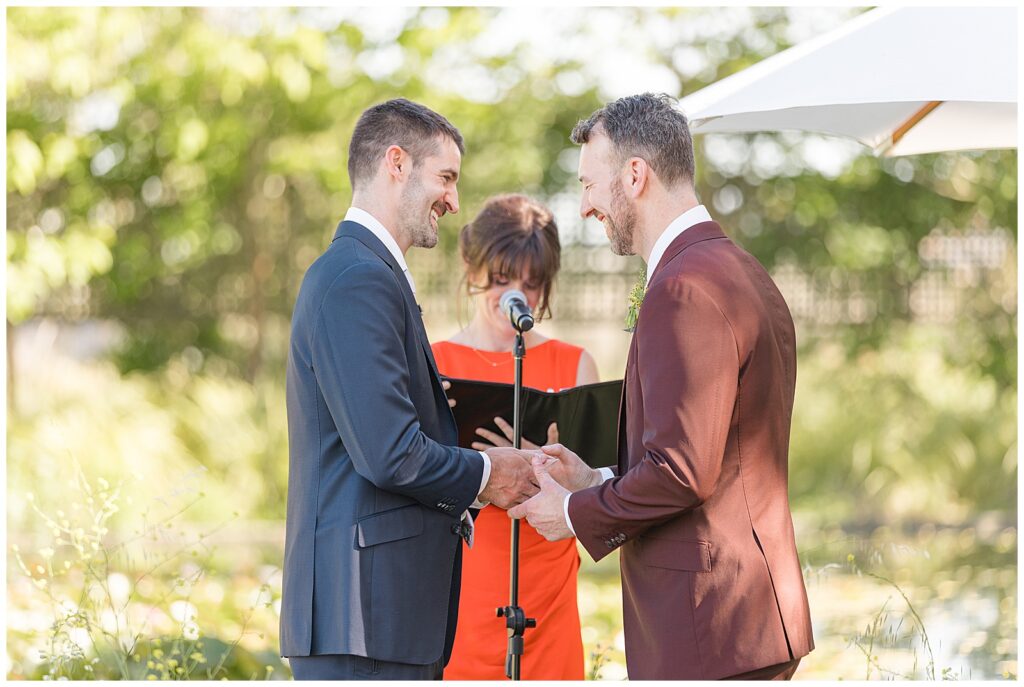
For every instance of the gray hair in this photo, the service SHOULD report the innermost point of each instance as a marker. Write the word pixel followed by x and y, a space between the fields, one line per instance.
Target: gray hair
pixel 648 126
pixel 412 127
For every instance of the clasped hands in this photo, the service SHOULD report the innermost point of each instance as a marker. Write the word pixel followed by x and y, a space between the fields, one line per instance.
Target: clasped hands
pixel 533 484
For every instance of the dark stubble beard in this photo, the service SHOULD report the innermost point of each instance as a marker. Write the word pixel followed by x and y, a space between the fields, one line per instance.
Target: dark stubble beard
pixel 623 225
pixel 414 224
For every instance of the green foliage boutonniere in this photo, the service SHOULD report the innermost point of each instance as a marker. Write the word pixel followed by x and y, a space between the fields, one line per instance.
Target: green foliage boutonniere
pixel 636 299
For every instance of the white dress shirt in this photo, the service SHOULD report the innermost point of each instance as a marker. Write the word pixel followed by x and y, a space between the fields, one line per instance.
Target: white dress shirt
pixel 693 216
pixel 364 218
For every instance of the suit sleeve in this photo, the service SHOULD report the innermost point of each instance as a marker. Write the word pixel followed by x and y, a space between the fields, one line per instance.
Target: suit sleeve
pixel 689 370
pixel 360 363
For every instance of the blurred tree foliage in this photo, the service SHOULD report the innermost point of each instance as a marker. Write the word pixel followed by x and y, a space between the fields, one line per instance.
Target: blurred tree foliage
pixel 174 170
pixel 177 169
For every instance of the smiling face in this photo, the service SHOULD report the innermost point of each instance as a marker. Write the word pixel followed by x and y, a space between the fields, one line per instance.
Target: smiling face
pixel 487 298
pixel 604 196
pixel 430 193
pixel 512 243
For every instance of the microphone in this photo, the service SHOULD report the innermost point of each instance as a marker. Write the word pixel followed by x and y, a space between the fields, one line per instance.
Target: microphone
pixel 513 304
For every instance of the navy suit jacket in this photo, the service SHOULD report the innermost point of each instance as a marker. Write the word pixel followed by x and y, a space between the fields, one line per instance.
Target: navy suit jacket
pixel 376 486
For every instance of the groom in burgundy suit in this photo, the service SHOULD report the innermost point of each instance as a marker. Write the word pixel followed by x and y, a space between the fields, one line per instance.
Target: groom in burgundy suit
pixel 698 506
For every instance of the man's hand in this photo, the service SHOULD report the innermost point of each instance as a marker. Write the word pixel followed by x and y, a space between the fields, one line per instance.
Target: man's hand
pixel 568 469
pixel 545 511
pixel 512 480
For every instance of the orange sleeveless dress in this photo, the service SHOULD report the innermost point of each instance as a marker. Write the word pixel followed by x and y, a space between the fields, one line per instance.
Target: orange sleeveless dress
pixel 547 570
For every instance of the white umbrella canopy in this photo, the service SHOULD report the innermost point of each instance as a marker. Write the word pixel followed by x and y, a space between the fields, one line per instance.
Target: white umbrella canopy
pixel 902 81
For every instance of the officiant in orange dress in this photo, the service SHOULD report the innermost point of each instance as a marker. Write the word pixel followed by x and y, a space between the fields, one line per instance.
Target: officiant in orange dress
pixel 513 244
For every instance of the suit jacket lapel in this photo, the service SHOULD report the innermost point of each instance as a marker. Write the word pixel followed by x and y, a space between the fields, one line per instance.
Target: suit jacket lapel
pixel 703 231
pixel 366 237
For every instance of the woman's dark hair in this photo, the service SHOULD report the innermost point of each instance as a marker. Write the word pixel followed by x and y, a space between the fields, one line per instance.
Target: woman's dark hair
pixel 511 233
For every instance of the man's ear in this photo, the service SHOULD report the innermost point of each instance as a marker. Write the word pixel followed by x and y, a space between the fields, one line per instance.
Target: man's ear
pixel 637 176
pixel 397 162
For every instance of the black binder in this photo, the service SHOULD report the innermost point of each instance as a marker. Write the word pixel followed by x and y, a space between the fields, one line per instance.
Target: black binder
pixel 587 415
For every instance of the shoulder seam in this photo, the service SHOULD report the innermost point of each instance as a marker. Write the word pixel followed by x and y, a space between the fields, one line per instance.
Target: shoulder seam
pixel 323 299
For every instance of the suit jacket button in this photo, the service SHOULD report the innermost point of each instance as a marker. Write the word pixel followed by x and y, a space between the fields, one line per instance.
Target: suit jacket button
pixel 457 529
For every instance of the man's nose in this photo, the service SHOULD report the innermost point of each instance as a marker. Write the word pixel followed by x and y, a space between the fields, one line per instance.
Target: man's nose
pixel 586 209
pixel 451 202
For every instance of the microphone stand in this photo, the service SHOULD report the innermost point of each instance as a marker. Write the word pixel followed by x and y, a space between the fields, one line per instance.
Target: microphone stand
pixel 516 621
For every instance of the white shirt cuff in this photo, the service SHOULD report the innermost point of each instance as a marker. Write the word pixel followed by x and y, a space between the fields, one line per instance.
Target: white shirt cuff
pixel 483 481
pixel 606 474
pixel 565 509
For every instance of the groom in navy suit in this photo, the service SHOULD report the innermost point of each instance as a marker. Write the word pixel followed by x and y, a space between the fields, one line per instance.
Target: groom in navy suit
pixel 378 493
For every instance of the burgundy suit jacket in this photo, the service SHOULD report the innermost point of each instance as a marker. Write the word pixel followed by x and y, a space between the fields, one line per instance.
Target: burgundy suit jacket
pixel 711 581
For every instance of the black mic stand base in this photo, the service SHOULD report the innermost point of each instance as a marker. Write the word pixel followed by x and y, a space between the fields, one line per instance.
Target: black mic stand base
pixel 516 622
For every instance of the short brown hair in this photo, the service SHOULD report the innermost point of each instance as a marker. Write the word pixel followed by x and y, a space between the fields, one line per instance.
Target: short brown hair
pixel 647 126
pixel 412 127
pixel 513 232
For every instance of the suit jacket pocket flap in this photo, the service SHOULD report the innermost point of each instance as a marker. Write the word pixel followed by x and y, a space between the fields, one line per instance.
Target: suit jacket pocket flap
pixel 391 525
pixel 694 556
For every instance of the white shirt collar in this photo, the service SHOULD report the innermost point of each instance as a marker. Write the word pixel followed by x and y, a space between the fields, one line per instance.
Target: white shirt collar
pixel 363 217
pixel 680 224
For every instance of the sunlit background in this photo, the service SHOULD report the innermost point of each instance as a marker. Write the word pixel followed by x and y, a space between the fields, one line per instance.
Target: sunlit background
pixel 172 172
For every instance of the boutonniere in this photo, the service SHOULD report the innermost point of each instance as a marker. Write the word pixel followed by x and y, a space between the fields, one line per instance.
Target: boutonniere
pixel 636 299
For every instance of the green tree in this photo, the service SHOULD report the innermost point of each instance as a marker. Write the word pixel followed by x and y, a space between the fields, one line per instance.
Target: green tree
pixel 177 169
